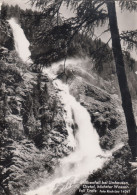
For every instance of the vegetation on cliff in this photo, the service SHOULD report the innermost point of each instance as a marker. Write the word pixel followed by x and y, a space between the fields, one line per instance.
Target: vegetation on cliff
pixel 32 128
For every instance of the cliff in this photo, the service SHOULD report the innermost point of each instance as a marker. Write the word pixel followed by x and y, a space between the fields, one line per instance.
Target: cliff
pixel 33 131
pixel 32 127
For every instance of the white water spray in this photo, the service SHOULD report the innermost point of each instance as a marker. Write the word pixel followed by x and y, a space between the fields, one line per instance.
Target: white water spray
pixel 87 155
pixel 21 42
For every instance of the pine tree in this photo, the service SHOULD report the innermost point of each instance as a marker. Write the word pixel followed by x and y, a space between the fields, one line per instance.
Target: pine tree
pixel 121 74
pixel 91 13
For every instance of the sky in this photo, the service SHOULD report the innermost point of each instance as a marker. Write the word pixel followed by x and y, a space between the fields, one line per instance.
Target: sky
pixel 126 20
pixel 22 3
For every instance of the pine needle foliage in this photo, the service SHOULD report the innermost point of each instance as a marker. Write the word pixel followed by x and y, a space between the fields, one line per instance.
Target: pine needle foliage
pixel 130 39
pixel 88 14
pixel 130 5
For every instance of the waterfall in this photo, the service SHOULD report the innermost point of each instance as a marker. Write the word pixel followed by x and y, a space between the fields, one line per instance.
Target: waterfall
pixel 87 155
pixel 21 42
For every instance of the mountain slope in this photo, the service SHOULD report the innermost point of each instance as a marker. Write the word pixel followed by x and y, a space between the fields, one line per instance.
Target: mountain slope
pixel 33 130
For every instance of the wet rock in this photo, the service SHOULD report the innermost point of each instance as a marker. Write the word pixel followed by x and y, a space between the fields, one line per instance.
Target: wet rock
pixel 104 110
pixel 6 38
pixel 97 93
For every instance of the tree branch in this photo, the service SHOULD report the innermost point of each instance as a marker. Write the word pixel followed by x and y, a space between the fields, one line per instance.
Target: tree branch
pixel 130 38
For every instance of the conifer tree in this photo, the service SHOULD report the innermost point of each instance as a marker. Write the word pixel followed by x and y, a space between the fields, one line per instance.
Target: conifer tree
pixel 93 13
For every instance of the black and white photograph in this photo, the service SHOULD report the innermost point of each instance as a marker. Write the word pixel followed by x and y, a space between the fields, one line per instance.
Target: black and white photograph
pixel 68 97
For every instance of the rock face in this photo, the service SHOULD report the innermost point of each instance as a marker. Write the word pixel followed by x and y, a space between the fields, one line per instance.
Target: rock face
pixel 105 111
pixel 32 129
pixel 6 39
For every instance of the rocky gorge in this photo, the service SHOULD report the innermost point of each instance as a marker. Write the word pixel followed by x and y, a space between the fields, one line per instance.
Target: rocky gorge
pixel 33 130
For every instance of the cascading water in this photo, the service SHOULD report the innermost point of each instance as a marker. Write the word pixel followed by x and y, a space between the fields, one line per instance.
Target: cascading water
pixel 87 154
pixel 21 42
pixel 83 138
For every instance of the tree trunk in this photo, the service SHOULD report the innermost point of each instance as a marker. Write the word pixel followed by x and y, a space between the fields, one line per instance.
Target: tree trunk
pixel 122 79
